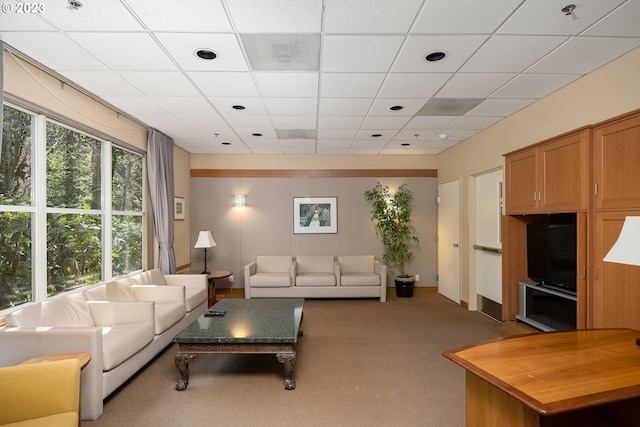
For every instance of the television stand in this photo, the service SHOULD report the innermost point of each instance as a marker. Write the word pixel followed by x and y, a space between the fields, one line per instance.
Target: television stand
pixel 546 308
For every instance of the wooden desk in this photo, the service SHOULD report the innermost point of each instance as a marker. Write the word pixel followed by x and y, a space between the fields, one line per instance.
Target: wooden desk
pixel 581 378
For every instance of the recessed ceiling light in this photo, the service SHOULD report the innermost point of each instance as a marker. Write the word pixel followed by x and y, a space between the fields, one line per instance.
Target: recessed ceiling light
pixel 435 56
pixel 226 143
pixel 74 4
pixel 238 107
pixel 207 54
pixel 396 107
pixel 376 135
pixel 405 144
pixel 256 134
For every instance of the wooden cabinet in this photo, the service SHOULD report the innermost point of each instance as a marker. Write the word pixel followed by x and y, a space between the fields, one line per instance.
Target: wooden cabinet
pixel 617 165
pixel 552 177
pixel 615 287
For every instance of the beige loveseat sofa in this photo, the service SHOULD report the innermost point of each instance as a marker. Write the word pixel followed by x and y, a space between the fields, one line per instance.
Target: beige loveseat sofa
pixel 320 276
pixel 123 324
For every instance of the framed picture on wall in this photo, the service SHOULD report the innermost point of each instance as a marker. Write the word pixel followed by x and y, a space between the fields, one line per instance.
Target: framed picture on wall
pixel 178 208
pixel 315 215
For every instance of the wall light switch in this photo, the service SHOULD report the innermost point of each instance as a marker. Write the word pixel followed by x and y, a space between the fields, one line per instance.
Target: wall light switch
pixel 417 277
pixel 231 279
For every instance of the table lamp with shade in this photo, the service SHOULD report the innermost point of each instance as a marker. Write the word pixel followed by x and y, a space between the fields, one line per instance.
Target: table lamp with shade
pixel 626 250
pixel 205 241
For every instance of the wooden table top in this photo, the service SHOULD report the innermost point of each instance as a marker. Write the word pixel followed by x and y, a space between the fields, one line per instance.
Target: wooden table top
pixel 84 358
pixel 558 371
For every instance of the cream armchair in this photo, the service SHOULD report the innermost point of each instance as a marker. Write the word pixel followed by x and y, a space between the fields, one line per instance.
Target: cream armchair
pixel 277 271
pixel 41 394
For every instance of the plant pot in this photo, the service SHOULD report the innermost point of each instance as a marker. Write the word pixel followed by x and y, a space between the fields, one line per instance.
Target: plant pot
pixel 404 287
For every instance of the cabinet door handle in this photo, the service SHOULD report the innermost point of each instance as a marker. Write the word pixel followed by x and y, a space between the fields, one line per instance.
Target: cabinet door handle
pixel 595 189
pixel 534 197
pixel 584 271
pixel 597 270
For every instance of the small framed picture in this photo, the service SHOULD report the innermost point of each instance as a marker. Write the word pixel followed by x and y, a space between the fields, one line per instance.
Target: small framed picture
pixel 178 208
pixel 315 215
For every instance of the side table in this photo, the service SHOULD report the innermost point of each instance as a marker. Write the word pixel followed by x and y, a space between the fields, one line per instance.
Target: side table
pixel 211 280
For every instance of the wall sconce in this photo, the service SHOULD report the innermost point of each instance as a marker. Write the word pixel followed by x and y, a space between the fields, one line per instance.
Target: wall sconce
pixel 239 200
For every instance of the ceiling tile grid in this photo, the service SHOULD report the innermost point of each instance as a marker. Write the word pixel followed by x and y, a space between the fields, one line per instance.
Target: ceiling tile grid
pixel 323 76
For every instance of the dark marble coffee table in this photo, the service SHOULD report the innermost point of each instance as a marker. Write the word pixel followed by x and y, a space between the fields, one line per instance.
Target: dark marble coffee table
pixel 254 326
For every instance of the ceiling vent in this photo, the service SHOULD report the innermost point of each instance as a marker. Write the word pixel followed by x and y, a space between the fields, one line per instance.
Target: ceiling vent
pixel 282 52
pixel 297 133
pixel 448 106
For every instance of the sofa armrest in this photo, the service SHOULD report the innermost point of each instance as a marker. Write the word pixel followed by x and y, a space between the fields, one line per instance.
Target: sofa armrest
pixel 159 293
pixel 249 270
pixel 293 270
pixel 106 313
pixel 337 272
pixel 381 269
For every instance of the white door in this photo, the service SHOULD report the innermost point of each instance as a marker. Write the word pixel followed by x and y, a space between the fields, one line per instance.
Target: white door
pixel 448 240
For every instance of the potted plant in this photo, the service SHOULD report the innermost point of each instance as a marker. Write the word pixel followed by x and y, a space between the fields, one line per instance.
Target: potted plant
pixel 391 216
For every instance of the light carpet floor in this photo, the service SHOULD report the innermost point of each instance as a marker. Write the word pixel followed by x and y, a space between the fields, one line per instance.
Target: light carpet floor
pixel 359 363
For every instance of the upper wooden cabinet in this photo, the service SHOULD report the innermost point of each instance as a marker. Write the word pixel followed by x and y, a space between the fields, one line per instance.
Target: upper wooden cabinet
pixel 617 165
pixel 552 177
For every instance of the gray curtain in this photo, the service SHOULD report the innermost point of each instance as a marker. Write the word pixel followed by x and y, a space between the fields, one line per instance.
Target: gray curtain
pixel 160 175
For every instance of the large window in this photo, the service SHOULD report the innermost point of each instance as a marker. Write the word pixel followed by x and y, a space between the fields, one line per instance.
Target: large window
pixel 71 208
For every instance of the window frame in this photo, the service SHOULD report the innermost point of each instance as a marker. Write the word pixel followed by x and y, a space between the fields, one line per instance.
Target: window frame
pixel 39 210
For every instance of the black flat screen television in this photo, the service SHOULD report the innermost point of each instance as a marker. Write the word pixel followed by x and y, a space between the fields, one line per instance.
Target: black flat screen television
pixel 551 255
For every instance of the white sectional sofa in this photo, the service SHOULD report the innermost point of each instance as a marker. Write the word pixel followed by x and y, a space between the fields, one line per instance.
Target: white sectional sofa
pixel 123 324
pixel 353 276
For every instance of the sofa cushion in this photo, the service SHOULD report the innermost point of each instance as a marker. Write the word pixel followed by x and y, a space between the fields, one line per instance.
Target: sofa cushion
pixel 315 279
pixel 273 264
pixel 315 264
pixel 66 311
pixel 121 290
pixel 167 314
pixel 270 280
pixel 357 264
pixel 360 279
pixel 121 341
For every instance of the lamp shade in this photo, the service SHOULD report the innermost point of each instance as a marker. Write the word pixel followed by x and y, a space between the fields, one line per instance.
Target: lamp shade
pixel 626 250
pixel 205 240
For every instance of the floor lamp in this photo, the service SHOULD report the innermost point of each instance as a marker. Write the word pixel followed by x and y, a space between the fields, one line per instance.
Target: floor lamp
pixel 205 241
pixel 626 250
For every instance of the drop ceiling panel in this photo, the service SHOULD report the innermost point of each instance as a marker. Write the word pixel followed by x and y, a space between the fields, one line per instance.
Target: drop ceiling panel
pixel 413 85
pixel 294 122
pixel 365 135
pixel 622 22
pixel 472 123
pixel 546 17
pixel 463 16
pixel 135 104
pixel 410 135
pixel 104 83
pixel 125 51
pixel 175 16
pixel 55 49
pixel 410 106
pixel 382 122
pixel 370 16
pixel 583 55
pixel 534 85
pixel 292 85
pixel 242 123
pixel 457 48
pixel 183 47
pixel 473 85
pixel 292 106
pixel 429 122
pixel 106 15
pixel 499 107
pixel 24 22
pixel 359 53
pixel 160 83
pixel 350 85
pixel 276 16
pixel 185 105
pixel 511 54
pixel 225 84
pixel 344 106
pixel 339 122
pixel 337 134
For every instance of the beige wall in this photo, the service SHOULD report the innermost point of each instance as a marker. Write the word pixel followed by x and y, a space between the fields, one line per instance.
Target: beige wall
pixel 265 225
pixel 605 93
pixel 181 177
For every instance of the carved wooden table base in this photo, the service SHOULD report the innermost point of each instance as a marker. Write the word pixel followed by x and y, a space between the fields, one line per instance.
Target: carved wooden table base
pixel 285 354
